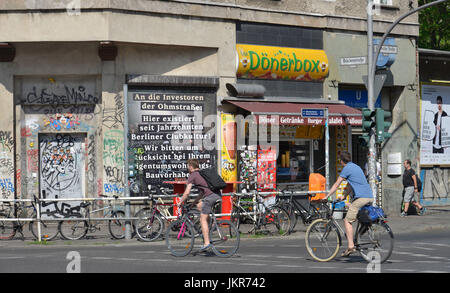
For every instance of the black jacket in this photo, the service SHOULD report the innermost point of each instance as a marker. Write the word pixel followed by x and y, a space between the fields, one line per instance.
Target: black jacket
pixel 435 123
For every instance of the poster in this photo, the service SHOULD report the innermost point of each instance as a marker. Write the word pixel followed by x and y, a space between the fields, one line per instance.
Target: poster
pixel 435 125
pixel 229 153
pixel 267 170
pixel 166 129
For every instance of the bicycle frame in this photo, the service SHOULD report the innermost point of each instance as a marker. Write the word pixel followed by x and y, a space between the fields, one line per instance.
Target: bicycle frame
pixel 298 207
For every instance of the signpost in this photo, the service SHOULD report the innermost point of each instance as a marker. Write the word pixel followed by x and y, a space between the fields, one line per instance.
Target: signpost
pixel 322 113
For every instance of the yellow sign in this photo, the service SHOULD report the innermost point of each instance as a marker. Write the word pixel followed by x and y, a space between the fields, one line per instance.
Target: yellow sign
pixel 264 62
pixel 229 152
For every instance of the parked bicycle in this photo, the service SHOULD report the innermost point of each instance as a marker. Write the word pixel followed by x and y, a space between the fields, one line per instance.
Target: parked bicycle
pixel 151 221
pixel 74 229
pixel 181 234
pixel 267 219
pixel 293 206
pixel 20 210
pixel 323 238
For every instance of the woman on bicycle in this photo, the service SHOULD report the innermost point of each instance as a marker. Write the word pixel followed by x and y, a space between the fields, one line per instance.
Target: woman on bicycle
pixel 362 195
pixel 205 200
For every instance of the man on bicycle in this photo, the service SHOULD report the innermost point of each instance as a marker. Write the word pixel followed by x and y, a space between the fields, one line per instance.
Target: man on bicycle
pixel 205 201
pixel 362 195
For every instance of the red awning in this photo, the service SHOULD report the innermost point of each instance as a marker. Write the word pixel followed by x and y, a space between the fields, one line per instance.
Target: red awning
pixel 290 113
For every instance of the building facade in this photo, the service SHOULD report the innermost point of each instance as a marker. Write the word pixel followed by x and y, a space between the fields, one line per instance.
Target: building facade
pixel 68 72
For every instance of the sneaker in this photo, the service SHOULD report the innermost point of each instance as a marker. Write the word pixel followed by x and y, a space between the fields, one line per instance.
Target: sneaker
pixel 403 214
pixel 205 247
pixel 422 211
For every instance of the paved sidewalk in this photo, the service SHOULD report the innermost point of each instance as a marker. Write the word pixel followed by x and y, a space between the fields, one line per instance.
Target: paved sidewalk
pixel 435 219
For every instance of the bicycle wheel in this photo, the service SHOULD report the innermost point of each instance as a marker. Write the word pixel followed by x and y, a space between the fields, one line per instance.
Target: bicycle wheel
pixel 149 226
pixel 49 229
pixel 180 238
pixel 117 227
pixel 276 221
pixel 375 241
pixel 7 228
pixel 323 240
pixel 73 229
pixel 225 238
pixel 236 219
pixel 287 206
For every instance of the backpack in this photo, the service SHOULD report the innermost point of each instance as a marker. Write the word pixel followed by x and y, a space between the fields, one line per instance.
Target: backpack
pixel 369 214
pixel 213 179
pixel 419 183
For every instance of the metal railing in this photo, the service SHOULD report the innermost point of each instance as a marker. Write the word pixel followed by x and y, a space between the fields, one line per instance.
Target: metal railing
pixel 38 201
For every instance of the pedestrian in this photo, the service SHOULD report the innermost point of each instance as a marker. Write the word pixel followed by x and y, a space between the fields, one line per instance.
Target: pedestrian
pixel 362 195
pixel 410 188
pixel 204 202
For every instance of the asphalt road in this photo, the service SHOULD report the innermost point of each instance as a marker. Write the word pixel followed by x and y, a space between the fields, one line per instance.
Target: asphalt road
pixel 427 252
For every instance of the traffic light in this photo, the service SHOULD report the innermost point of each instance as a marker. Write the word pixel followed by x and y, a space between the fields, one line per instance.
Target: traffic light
pixel 367 124
pixel 364 140
pixel 381 125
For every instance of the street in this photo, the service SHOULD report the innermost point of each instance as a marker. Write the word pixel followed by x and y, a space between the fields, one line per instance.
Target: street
pixel 425 252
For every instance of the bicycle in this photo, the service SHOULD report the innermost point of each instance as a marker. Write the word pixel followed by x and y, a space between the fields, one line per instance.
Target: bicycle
pixel 74 229
pixel 8 229
pixel 181 234
pixel 323 238
pixel 150 224
pixel 314 210
pixel 272 219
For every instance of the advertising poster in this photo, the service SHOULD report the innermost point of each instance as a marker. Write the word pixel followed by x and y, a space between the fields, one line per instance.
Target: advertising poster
pixel 435 125
pixel 229 153
pixel 267 170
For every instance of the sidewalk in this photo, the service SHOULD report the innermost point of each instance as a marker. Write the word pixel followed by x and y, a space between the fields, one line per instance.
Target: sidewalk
pixel 435 219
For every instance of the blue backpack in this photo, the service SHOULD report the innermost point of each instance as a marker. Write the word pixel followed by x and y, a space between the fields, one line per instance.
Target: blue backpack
pixel 369 214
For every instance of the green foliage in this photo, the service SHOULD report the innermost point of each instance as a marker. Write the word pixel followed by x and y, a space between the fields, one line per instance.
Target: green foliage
pixel 434 26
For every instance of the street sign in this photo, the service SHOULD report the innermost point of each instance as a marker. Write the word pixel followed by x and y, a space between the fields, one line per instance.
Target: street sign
pixel 378 85
pixel 351 61
pixel 313 113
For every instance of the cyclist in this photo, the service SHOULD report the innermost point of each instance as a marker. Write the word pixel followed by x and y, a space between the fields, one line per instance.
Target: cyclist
pixel 362 195
pixel 204 202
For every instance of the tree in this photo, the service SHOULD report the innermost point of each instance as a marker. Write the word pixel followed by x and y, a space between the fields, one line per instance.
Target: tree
pixel 434 26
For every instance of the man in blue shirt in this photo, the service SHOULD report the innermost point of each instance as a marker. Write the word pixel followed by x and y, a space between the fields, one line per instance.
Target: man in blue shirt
pixel 362 195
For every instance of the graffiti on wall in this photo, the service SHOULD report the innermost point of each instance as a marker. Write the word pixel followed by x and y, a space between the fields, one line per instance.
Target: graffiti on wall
pixel 62 121
pixel 6 141
pixel 59 161
pixel 61 94
pixel 113 159
pixel 61 171
pixel 113 116
pixel 436 184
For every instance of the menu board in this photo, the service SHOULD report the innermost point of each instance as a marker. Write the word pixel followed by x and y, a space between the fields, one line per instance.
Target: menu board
pixel 166 128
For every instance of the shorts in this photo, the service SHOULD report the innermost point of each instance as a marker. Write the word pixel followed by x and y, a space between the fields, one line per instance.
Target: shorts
pixel 355 206
pixel 409 194
pixel 208 203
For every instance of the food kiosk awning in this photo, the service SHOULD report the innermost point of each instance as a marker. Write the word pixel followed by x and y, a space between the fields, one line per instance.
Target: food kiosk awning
pixel 291 113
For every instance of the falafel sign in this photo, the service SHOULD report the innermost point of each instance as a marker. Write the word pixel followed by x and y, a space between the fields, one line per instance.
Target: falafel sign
pixel 264 62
